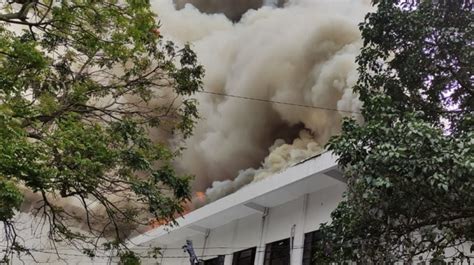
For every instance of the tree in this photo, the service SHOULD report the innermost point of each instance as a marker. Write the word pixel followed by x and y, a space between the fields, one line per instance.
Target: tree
pixel 410 165
pixel 83 85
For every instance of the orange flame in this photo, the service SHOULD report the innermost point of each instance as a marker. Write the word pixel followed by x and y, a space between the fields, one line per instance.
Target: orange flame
pixel 199 198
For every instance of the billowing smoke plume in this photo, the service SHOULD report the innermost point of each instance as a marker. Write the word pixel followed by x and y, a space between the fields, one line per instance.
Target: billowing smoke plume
pixel 302 53
pixel 281 156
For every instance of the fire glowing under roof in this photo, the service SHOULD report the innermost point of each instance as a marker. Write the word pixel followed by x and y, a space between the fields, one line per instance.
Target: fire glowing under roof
pixel 308 176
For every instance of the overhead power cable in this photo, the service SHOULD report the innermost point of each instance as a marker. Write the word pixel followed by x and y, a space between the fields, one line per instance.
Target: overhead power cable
pixel 455 111
pixel 276 102
pixel 62 253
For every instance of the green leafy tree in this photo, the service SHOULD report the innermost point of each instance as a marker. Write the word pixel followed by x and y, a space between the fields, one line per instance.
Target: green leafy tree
pixel 83 85
pixel 410 165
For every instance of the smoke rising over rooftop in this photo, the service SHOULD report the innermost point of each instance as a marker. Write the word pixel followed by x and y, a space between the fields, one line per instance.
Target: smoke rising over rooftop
pixel 294 51
pixel 302 53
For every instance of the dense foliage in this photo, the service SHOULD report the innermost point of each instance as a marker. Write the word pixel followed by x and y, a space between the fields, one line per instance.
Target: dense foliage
pixel 420 55
pixel 410 165
pixel 83 85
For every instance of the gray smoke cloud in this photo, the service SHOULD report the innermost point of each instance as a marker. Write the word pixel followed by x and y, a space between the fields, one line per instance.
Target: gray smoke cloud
pixel 302 53
pixel 233 9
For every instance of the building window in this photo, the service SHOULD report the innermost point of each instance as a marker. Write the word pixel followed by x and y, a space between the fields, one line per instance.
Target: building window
pixel 244 257
pixel 311 240
pixel 219 260
pixel 278 253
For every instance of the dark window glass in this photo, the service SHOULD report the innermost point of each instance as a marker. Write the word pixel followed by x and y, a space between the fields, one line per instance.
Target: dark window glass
pixel 278 253
pixel 244 257
pixel 219 260
pixel 311 240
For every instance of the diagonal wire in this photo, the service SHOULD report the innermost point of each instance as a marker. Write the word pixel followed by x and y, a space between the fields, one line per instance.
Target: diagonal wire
pixel 276 102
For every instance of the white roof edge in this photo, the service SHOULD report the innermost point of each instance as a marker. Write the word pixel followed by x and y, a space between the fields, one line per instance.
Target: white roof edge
pixel 319 164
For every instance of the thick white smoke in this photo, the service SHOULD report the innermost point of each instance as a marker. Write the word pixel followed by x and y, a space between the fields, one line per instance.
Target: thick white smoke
pixel 302 53
pixel 281 156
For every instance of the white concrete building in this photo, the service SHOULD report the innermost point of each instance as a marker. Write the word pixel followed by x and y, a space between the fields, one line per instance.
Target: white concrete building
pixel 272 221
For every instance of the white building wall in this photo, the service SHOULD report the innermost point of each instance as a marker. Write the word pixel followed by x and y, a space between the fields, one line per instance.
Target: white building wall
pixel 320 206
pixel 304 213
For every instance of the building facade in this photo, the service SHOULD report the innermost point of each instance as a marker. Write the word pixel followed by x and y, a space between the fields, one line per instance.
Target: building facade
pixel 270 222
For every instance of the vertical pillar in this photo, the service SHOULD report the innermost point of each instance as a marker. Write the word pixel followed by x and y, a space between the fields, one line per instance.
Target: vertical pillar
pixel 297 251
pixel 259 256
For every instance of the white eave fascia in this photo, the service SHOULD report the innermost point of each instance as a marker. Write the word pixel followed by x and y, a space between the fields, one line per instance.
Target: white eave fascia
pixel 248 195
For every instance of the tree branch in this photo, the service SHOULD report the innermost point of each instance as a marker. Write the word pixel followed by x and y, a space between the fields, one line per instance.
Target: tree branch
pixel 20 15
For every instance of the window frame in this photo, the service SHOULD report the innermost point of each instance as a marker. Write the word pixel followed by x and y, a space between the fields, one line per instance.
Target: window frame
pixel 271 249
pixel 310 239
pixel 236 256
pixel 219 260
